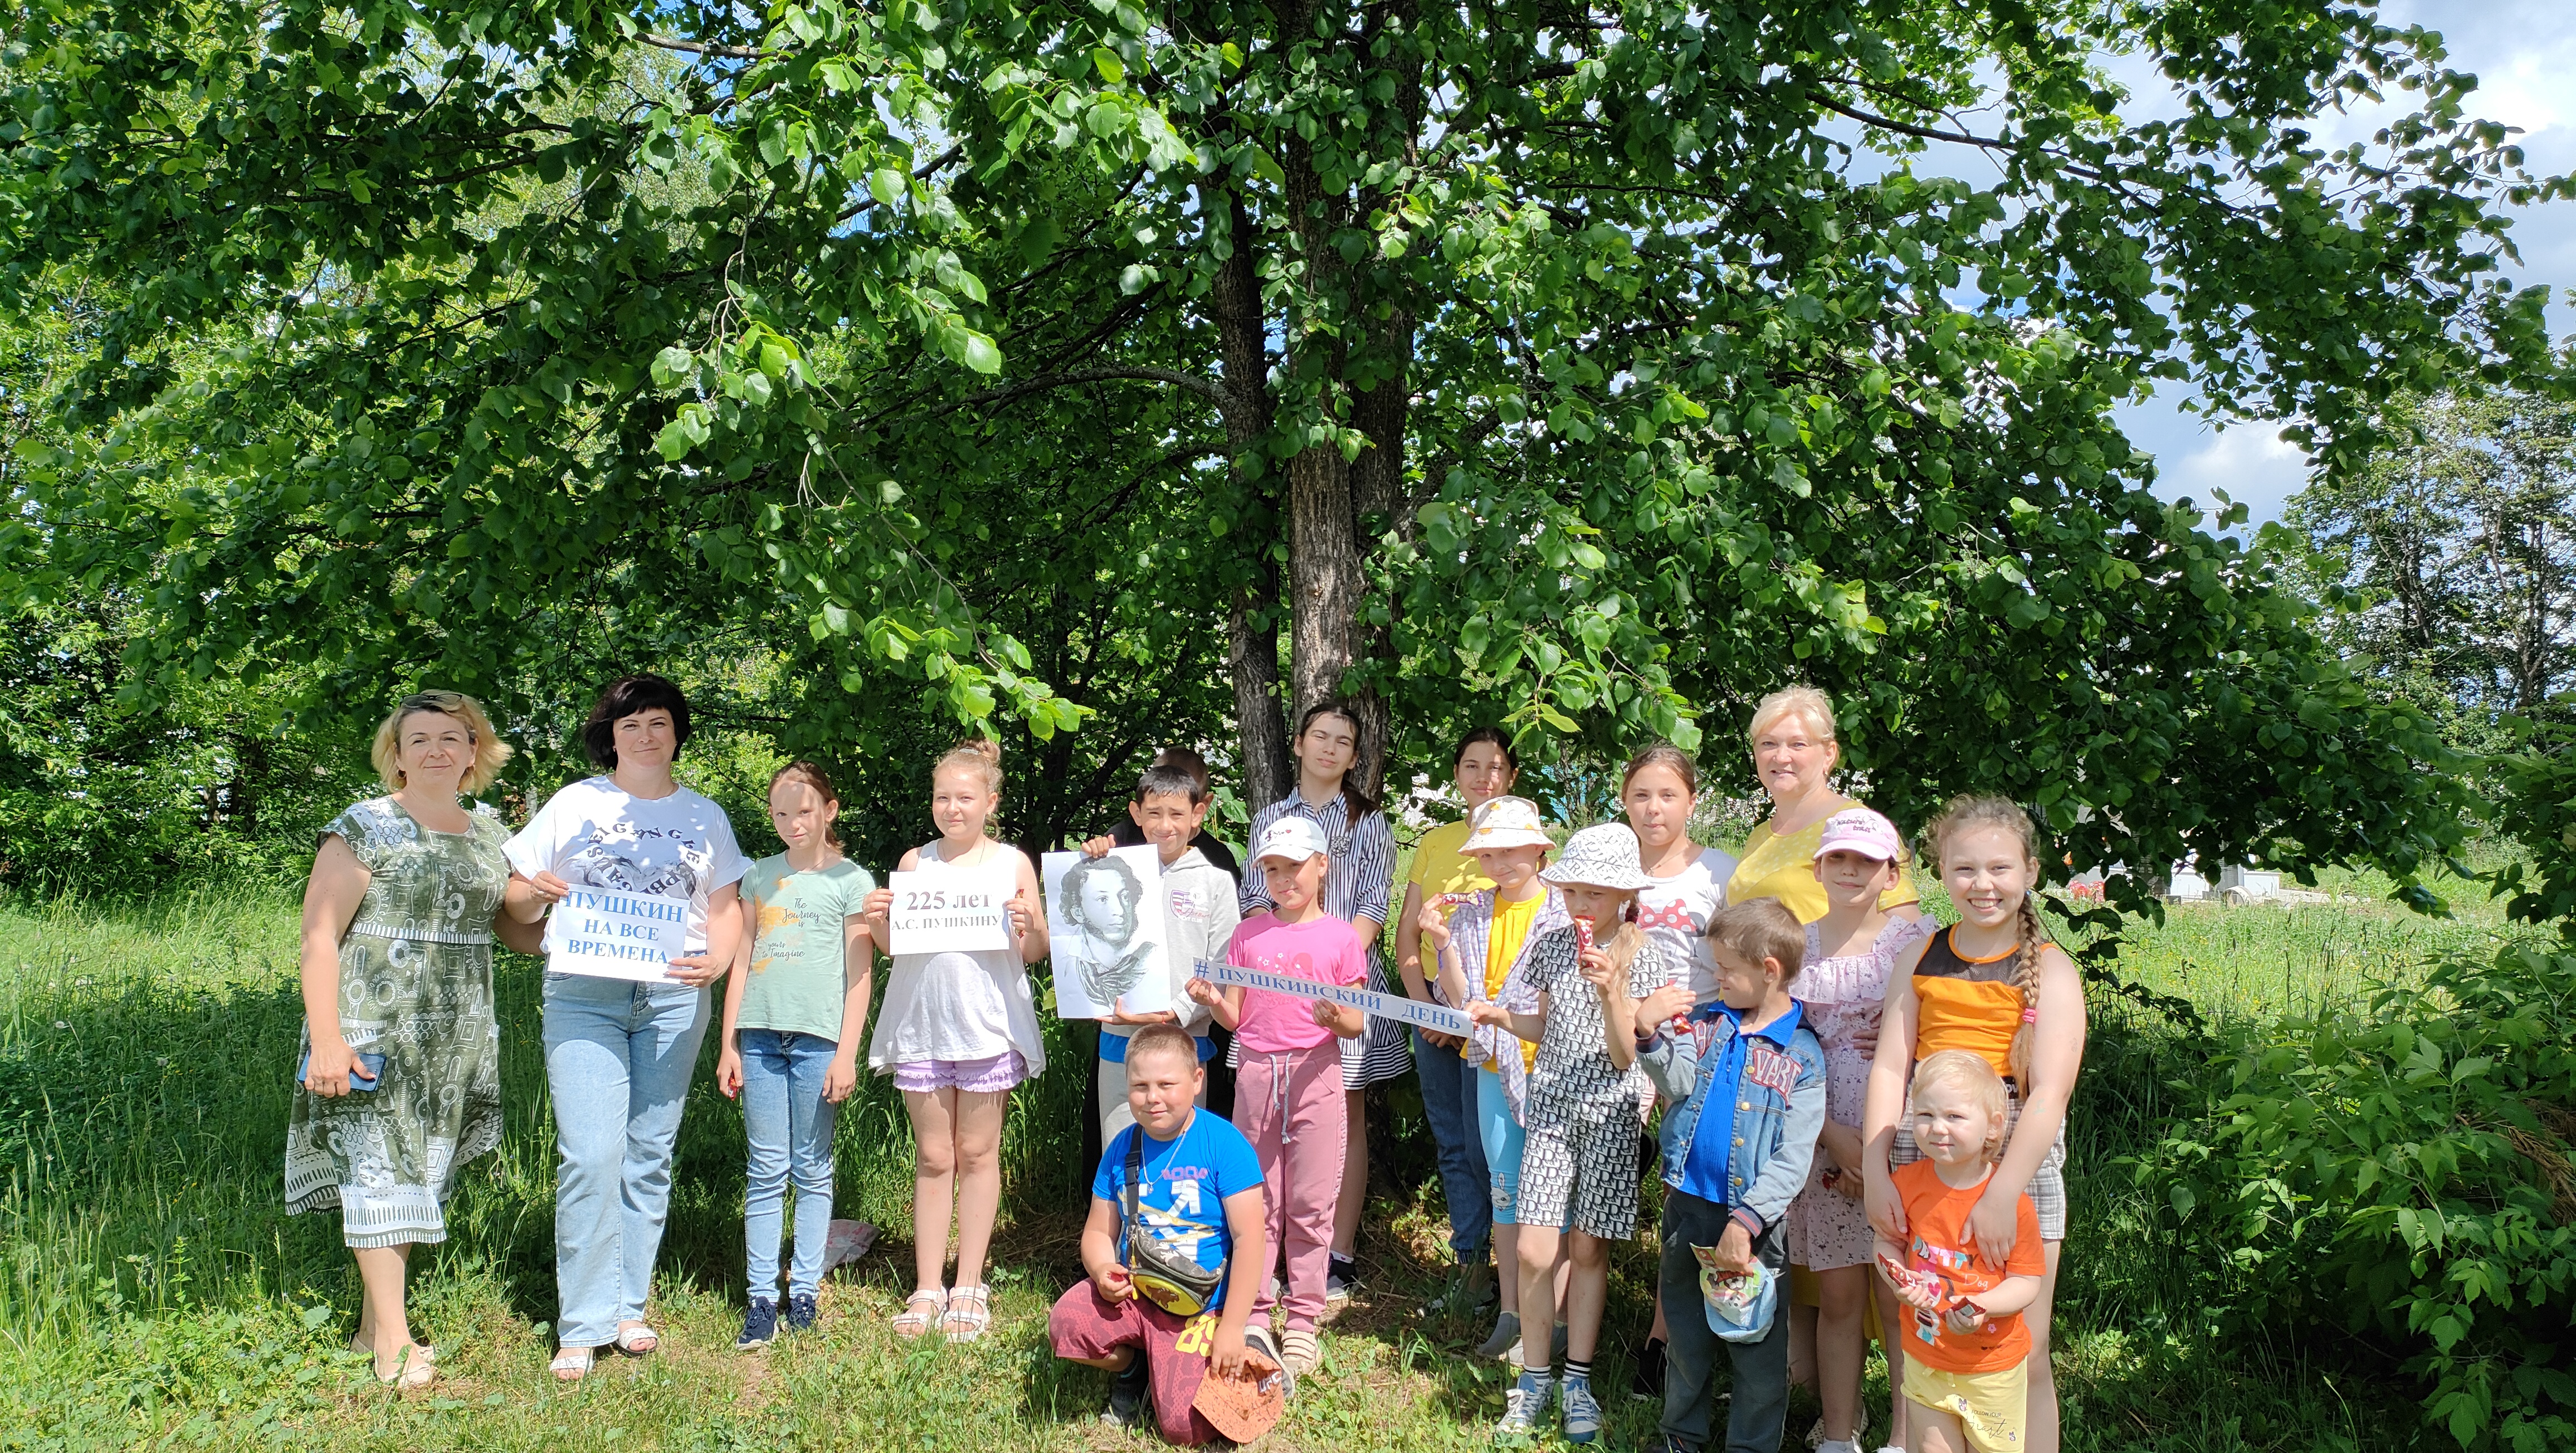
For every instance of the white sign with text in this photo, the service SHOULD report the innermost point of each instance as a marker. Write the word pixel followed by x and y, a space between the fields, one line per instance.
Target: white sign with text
pixel 945 910
pixel 606 934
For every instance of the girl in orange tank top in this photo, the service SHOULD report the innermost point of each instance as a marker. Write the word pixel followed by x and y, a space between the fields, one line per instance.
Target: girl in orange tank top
pixel 1993 985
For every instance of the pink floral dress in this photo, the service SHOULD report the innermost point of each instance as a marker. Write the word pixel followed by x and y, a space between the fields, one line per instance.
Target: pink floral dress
pixel 1844 997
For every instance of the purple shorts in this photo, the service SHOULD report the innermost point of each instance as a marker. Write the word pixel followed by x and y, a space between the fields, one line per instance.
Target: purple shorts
pixel 974 1076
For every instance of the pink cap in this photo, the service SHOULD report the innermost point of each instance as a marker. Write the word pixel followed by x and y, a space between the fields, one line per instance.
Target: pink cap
pixel 1859 830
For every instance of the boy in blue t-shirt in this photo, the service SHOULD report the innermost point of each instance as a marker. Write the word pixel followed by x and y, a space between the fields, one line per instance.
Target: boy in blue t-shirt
pixel 1200 1197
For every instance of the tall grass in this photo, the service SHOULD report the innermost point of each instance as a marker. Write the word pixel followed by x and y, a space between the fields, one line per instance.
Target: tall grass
pixel 155 1293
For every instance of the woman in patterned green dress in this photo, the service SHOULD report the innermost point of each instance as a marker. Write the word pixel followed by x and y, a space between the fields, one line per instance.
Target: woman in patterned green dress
pixel 397 962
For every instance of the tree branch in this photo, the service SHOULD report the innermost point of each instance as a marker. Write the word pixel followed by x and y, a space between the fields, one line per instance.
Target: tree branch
pixel 699 47
pixel 1207 388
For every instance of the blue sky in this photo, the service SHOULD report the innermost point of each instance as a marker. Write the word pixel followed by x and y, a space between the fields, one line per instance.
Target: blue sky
pixel 2523 53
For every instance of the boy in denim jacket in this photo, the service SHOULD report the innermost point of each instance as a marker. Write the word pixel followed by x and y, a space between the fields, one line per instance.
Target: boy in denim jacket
pixel 1743 1082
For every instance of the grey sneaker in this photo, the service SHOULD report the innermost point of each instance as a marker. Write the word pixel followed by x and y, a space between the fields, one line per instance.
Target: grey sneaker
pixel 1343 1275
pixel 1507 1336
pixel 1127 1394
pixel 1258 1338
pixel 1582 1411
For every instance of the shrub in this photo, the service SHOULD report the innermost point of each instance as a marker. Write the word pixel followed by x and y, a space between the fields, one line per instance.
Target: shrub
pixel 2402 1172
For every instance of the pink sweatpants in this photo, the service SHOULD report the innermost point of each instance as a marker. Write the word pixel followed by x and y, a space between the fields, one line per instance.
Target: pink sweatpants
pixel 1290 1107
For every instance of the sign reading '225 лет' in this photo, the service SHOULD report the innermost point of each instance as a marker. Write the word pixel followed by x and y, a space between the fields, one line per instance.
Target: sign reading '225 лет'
pixel 941 910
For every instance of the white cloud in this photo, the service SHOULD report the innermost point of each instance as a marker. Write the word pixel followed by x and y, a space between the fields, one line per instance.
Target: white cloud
pixel 2254 465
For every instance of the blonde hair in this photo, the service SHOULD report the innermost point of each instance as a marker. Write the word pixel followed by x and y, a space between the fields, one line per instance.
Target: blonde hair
pixel 981 753
pixel 1762 928
pixel 1967 1071
pixel 1967 811
pixel 489 750
pixel 1804 702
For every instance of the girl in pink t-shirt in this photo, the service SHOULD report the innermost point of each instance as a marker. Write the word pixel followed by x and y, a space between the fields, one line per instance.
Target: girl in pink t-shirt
pixel 1288 1090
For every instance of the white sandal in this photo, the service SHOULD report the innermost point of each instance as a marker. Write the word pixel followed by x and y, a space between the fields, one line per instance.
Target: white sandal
pixel 970 1311
pixel 638 1340
pixel 572 1364
pixel 913 1323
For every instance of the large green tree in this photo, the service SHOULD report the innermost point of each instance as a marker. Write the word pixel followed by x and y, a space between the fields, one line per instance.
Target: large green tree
pixel 1590 367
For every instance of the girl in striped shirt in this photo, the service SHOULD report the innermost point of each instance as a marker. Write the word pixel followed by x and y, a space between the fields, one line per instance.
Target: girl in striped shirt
pixel 1330 748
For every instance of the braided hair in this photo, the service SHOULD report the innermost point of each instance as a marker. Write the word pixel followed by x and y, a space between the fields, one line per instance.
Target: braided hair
pixel 1971 811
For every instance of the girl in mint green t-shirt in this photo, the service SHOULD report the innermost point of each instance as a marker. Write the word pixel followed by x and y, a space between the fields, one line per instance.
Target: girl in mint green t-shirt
pixel 794 1008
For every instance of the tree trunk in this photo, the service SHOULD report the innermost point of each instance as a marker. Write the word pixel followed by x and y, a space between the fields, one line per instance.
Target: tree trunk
pixel 1252 631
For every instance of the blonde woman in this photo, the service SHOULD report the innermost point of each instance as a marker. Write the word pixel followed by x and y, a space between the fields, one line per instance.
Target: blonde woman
pixel 398 1080
pixel 1795 752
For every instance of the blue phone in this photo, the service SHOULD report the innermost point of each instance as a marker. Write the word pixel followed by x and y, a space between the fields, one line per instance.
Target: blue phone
pixel 369 1064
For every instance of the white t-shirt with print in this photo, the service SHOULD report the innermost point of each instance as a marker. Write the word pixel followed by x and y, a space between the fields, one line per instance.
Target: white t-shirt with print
pixel 592 834
pixel 1675 912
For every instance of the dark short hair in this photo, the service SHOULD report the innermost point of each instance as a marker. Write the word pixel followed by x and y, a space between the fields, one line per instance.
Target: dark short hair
pixel 1188 761
pixel 627 696
pixel 1171 781
pixel 1163 1036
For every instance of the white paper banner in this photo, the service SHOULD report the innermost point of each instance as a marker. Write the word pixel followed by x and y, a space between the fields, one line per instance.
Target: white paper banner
pixel 944 910
pixel 1438 1018
pixel 605 934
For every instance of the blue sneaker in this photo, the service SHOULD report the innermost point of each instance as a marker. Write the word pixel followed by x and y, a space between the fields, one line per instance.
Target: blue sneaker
pixel 1523 1407
pixel 801 1311
pixel 759 1325
pixel 1582 1411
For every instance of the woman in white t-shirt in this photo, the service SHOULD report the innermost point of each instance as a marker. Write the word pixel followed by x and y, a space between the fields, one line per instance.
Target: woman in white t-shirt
pixel 620 1049
pixel 1685 886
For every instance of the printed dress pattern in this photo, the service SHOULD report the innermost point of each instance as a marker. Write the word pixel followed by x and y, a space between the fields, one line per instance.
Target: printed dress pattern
pixel 415 987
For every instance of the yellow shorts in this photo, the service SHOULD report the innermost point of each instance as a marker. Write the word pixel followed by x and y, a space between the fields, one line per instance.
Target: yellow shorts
pixel 1990 1406
pixel 1806 1289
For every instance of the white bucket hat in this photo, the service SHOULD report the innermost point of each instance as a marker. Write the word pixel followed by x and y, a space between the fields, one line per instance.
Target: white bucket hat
pixel 1507 822
pixel 1600 857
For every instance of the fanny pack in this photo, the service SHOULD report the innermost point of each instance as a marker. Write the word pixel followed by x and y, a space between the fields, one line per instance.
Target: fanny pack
pixel 1175 1283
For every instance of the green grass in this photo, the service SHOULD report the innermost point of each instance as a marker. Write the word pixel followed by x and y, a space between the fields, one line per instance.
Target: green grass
pixel 155 1295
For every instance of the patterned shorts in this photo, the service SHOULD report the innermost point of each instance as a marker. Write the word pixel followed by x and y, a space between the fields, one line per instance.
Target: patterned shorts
pixel 2047 1187
pixel 1579 1168
pixel 974 1076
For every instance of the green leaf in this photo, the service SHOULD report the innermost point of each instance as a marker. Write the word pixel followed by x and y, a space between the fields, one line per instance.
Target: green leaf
pixel 886 185
pixel 1112 69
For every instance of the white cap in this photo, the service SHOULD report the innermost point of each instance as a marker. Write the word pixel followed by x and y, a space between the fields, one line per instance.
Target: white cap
pixel 1294 838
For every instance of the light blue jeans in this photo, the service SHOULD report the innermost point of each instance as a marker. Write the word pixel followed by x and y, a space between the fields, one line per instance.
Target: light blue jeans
pixel 1502 1136
pixel 618 1060
pixel 1449 1103
pixel 789 1125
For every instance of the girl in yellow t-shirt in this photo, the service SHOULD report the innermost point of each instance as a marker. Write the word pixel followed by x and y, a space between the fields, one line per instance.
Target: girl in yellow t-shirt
pixel 1484 767
pixel 1477 942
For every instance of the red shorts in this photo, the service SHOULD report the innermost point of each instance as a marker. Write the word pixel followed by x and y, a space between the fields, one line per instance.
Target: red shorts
pixel 1084 1324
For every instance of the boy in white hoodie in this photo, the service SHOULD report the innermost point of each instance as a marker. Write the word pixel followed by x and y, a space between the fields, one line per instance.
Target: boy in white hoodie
pixel 1199 915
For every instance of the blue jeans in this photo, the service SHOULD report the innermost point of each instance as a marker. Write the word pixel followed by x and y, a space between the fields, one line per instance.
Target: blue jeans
pixel 618 1060
pixel 1449 1103
pixel 789 1125
pixel 1502 1136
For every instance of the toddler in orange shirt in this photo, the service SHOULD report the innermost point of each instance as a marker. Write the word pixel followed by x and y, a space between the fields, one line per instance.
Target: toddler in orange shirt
pixel 1967 1352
